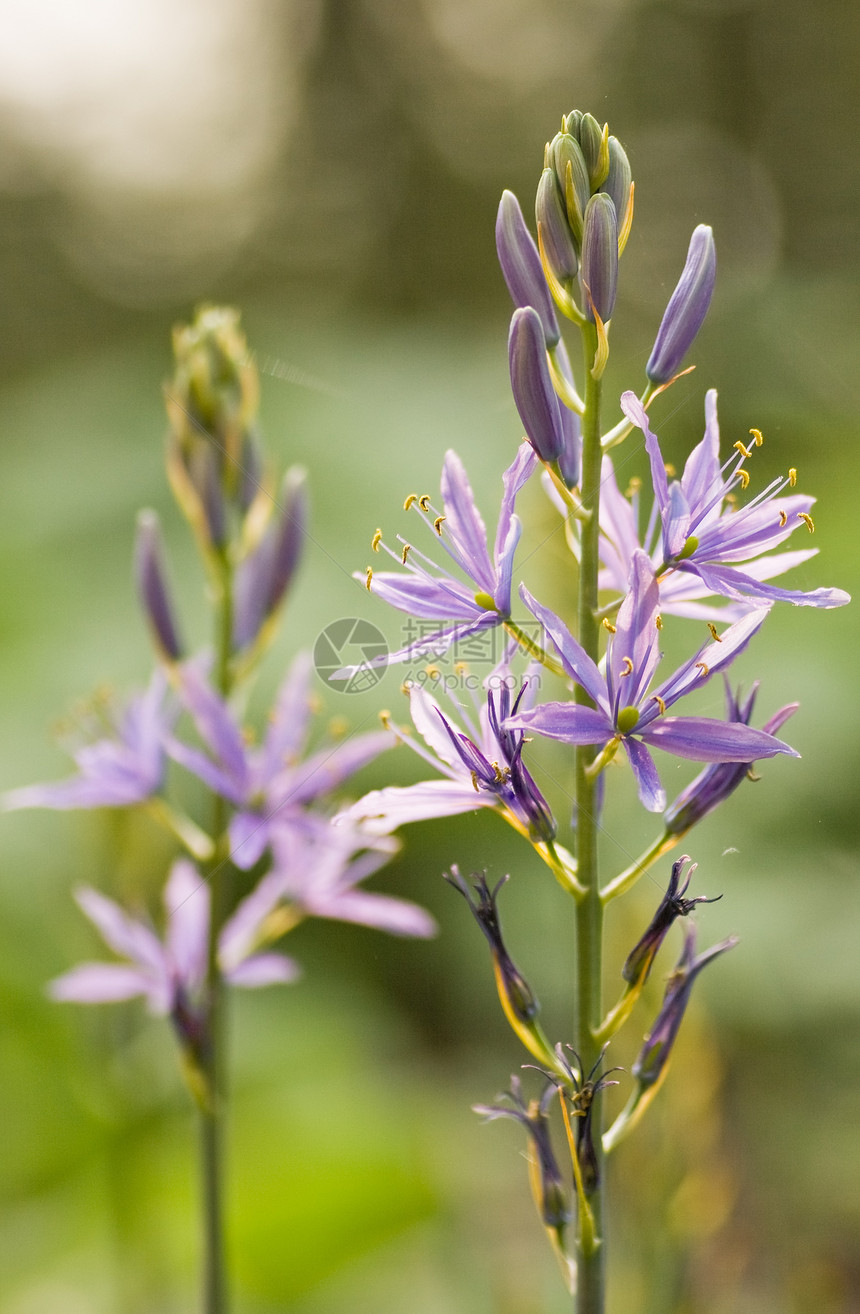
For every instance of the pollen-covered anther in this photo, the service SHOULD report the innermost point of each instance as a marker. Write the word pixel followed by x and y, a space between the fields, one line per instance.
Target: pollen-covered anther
pixel 659 701
pixel 658 621
pixel 407 548
pixel 744 451
pixel 385 718
pixel 702 666
pixel 424 502
pixel 438 523
pixel 743 475
pixel 713 630
pixel 474 776
pixel 607 625
pixel 369 577
pixel 792 476
pixel 783 519
pixel 670 469
pixel 432 672
pixel 751 775
pixel 627 667
pixel 807 520
pixel 633 487
pixel 413 497
pixel 461 668
pixel 758 437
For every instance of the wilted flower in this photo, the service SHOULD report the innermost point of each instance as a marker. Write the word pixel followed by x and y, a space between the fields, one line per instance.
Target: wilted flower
pixel 554 1202
pixel 673 905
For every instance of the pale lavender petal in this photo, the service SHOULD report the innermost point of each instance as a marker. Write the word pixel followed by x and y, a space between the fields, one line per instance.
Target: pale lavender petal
pixel 619 539
pixel 521 265
pixel 383 810
pixel 502 593
pixel 702 739
pixel 125 935
pixel 636 414
pixel 573 656
pixel 425 711
pixel 651 793
pixel 425 597
pixel 702 470
pixel 100 983
pixel 531 385
pixel 285 737
pixel 735 584
pixel 636 637
pixel 463 523
pixel 263 970
pixel 216 726
pixel 687 308
pixel 186 898
pixel 568 722
pixel 710 659
pixel 249 838
pixel 752 529
pixel 377 910
pixel 777 563
pixel 327 769
pixel 676 525
pixel 241 931
pixel 206 770
pixel 428 648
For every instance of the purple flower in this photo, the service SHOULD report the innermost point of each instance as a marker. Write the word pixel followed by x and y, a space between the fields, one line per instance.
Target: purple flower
pixel 703 536
pixel 673 905
pixel 483 768
pixel 264 576
pixel 654 1055
pixel 314 873
pixel 269 786
pixel 171 973
pixel 432 593
pixel 126 768
pixel 687 308
pixel 625 711
pixel 713 785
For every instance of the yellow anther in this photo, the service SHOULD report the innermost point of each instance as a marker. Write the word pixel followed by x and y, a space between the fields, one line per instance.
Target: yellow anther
pixel 607 625
pixel 315 704
pixel 743 475
pixel 703 668
pixel 385 718
pixel 807 520
pixel 732 500
pixel 751 775
pixel 338 726
pixel 406 687
pixel 461 668
pixel 413 497
pixel 658 621
pixel 438 523
pixel 792 476
pixel 655 698
pixel 783 519
pixel 474 776
pixel 757 435
pixel 407 548
pixel 369 578
pixel 712 627
pixel 424 501
pixel 432 672
pixel 376 540
pixel 670 470
pixel 744 451
pixel 634 486
pixel 627 666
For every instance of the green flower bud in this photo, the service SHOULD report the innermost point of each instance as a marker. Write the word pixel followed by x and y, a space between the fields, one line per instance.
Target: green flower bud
pixel 595 150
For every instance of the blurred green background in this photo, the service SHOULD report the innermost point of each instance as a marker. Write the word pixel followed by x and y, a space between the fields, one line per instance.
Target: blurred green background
pixel 333 168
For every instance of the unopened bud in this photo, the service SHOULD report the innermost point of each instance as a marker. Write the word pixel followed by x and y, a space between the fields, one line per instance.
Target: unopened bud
pixel 572 179
pixel 618 180
pixel 521 265
pixel 557 242
pixel 152 586
pixel 593 141
pixel 531 385
pixel 599 269
pixel 687 308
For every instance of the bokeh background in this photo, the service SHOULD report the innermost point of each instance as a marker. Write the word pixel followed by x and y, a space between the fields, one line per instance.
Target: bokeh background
pixel 333 168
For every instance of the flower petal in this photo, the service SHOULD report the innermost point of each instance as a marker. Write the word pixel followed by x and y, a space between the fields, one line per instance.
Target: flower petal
pixel 703 739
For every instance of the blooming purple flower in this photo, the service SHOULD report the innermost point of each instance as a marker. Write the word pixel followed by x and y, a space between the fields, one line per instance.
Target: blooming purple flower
pixel 483 767
pixel 687 308
pixel 702 536
pixel 171 973
pixel 721 779
pixel 127 767
pixel 269 786
pixel 654 1055
pixel 431 593
pixel 625 711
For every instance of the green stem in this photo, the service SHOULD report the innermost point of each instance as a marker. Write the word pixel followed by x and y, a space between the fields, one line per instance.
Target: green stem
pixel 627 878
pixel 590 1253
pixel 212 1111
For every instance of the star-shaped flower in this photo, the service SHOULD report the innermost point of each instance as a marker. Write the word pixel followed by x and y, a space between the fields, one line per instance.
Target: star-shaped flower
pixel 625 711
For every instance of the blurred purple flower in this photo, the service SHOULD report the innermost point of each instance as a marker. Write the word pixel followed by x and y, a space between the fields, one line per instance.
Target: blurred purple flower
pixel 625 711
pixel 118 771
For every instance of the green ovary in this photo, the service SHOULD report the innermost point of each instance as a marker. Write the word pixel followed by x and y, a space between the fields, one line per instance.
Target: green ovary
pixel 627 719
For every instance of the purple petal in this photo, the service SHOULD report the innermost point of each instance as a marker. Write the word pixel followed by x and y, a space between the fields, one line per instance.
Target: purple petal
pixel 710 659
pixel 425 597
pixel 702 471
pixel 383 810
pixel 598 271
pixel 249 835
pixel 377 910
pixel 636 414
pixel 125 935
pixel 702 739
pixel 425 713
pixel 735 584
pixel 534 394
pixel 651 793
pixel 100 983
pixel 567 722
pixel 574 658
pixel 285 737
pixel 463 523
pixel 216 725
pixel 263 970
pixel 636 637
pixel 186 898
pixel 687 308
pixel 205 769
pixel 328 768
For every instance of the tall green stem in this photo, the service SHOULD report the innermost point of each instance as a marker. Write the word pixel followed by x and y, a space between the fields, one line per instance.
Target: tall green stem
pixel 212 1112
pixel 590 1265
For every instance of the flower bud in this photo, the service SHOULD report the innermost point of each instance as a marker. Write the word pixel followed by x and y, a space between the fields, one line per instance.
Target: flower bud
pixel 537 403
pixel 593 141
pixel 598 273
pixel 521 265
pixel 618 180
pixel 559 249
pixel 572 180
pixel 687 308
pixel 265 575
pixel 153 588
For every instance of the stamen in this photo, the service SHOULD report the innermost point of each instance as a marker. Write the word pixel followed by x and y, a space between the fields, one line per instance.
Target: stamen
pixel 369 578
pixel 703 668
pixel 744 451
pixel 626 667
pixel 385 718
pixel 732 500
pixel 376 540
pixel 474 776
pixel 807 520
pixel 438 523
pixel 670 469
pixel 607 625
pixel 432 672
pixel 407 548
pixel 413 497
pixel 757 435
pixel 783 519
pixel 658 621
pixel 751 775
pixel 338 726
pixel 712 627
pixel 462 668
pixel 792 476
pixel 659 701
pixel 424 502
pixel 743 475
pixel 406 687
pixel 633 487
